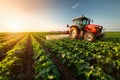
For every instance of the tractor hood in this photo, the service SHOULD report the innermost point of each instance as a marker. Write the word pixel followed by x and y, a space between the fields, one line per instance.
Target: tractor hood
pixel 93 28
pixel 93 25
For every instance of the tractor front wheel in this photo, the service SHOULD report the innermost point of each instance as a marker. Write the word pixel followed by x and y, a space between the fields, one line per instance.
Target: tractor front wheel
pixel 73 32
pixel 89 37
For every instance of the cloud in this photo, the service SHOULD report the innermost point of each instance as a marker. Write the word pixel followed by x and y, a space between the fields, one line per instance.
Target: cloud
pixel 74 6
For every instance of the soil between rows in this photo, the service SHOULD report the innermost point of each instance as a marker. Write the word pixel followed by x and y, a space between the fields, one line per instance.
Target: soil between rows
pixel 28 68
pixel 66 73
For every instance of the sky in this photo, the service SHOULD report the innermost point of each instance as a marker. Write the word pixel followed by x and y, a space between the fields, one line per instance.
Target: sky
pixel 54 15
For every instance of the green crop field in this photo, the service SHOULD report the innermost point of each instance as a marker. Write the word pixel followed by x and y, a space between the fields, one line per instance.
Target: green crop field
pixel 29 56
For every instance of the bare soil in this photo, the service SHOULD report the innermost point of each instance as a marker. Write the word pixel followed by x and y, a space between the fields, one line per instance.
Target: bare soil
pixel 28 68
pixel 66 73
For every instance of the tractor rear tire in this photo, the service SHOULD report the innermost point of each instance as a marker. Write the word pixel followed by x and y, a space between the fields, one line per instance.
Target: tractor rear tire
pixel 73 33
pixel 89 37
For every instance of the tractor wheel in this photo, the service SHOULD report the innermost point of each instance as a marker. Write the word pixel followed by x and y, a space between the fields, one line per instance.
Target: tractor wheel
pixel 89 37
pixel 73 33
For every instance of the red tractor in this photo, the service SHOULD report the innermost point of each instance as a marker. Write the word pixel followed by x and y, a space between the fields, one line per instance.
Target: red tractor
pixel 82 28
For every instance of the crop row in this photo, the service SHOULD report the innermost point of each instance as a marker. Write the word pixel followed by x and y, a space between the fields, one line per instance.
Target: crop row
pixel 11 66
pixel 7 45
pixel 112 37
pixel 45 69
pixel 98 60
pixel 4 35
pixel 89 60
pixel 9 36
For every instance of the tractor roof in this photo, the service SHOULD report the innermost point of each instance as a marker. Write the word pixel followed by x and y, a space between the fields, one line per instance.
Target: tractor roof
pixel 81 18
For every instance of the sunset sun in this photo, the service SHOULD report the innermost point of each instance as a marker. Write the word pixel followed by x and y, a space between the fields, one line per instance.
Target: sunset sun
pixel 15 26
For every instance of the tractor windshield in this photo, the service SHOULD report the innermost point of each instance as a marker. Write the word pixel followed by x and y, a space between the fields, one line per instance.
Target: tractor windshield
pixel 77 22
pixel 80 23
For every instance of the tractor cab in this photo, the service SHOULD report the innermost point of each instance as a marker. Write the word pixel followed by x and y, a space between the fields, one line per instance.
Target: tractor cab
pixel 81 21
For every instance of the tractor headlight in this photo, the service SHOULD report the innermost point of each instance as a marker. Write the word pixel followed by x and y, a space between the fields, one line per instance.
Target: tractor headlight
pixel 99 29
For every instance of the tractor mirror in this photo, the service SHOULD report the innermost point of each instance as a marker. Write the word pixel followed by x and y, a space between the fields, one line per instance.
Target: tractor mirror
pixel 92 20
pixel 67 25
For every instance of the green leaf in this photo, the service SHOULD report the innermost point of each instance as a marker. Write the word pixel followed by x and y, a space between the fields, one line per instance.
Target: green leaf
pixel 3 78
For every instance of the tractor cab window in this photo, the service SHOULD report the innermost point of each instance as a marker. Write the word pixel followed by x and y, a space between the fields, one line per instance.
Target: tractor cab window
pixel 80 23
pixel 85 22
pixel 77 22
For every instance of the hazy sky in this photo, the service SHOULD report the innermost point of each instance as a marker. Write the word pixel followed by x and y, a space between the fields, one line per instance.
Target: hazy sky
pixel 50 15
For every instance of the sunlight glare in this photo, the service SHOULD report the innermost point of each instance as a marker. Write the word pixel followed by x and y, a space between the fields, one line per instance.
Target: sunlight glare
pixel 15 26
